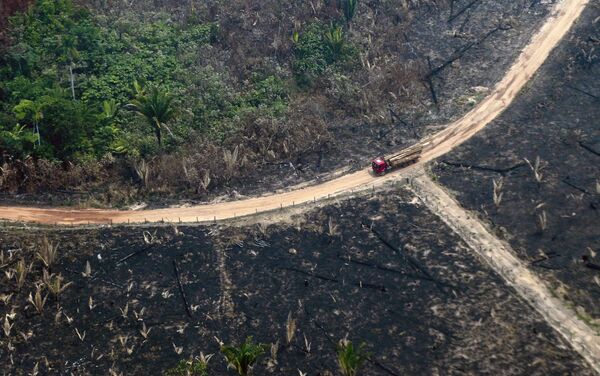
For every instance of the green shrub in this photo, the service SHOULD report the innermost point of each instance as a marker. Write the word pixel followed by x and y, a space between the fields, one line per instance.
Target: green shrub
pixel 18 141
pixel 193 367
pixel 243 357
pixel 350 358
pixel 318 47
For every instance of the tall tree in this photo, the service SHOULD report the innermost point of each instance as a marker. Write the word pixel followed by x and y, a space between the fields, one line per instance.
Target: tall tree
pixel 156 106
pixel 69 52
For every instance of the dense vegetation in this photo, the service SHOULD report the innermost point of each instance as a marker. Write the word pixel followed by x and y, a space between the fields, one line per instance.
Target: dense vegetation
pixel 117 101
pixel 67 76
pixel 82 93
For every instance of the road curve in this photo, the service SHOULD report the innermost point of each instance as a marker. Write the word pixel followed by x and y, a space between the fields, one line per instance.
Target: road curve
pixel 563 15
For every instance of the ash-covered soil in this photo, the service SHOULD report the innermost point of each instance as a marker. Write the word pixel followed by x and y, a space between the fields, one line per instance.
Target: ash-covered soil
pixel 550 220
pixel 382 270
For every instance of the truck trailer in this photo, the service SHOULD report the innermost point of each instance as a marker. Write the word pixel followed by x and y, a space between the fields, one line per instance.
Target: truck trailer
pixel 405 157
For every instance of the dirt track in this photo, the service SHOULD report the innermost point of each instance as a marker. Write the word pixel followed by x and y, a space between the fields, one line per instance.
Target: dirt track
pixel 533 56
pixel 502 259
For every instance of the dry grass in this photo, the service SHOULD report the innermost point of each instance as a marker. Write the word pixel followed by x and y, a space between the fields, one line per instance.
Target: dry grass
pixel 537 167
pixel 498 194
pixel 290 328
pixel 37 301
pixel 543 220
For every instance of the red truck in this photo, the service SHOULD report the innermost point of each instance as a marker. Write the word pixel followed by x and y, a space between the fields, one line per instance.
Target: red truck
pixel 407 156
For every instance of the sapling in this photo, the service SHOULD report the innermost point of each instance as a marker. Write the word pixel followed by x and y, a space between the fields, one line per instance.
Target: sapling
pixel 26 336
pixel 332 227
pixel 87 272
pixel 10 273
pixel 290 328
pixel 205 182
pixel 47 252
pixel 21 273
pixel 145 332
pixel 349 7
pixel 537 168
pixel 230 159
pixel 272 361
pixel 543 220
pixel 36 300
pixel 5 298
pixel 350 358
pixel 178 349
pixel 54 283
pixel 124 310
pixel 306 344
pixel 7 326
pixel 497 196
pixel 80 335
pixel 243 357
pixel 123 341
pixel 197 366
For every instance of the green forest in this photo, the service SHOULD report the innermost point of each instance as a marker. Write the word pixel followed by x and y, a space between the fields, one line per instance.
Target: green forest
pixel 81 88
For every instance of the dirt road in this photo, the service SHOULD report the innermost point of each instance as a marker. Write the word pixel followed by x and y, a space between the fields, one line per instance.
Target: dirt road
pixel 502 259
pixel 564 14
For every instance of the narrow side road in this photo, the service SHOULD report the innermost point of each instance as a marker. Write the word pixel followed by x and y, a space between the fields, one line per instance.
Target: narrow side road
pixel 502 259
pixel 564 14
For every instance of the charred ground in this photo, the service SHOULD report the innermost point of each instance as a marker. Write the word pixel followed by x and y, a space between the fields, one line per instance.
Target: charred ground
pixel 382 270
pixel 555 120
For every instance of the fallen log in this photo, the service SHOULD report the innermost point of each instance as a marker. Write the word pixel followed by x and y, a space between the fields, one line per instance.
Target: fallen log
pixel 135 253
pixel 412 261
pixel 582 91
pixel 181 290
pixel 484 168
pixel 386 269
pixel 589 148
pixel 461 11
pixel 567 182
pixel 363 285
pixel 461 51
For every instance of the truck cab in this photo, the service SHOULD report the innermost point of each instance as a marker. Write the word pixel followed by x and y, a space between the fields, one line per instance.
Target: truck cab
pixel 379 166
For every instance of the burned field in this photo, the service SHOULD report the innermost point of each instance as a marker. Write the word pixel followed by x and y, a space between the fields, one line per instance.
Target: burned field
pixel 534 173
pixel 383 271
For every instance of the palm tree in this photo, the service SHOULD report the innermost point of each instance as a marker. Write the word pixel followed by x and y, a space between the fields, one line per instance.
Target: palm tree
pixel 155 106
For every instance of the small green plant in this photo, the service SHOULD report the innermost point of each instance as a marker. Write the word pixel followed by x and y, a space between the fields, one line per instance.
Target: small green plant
pixel 243 357
pixel 350 358
pixel 197 366
pixel 334 37
pixel 349 8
